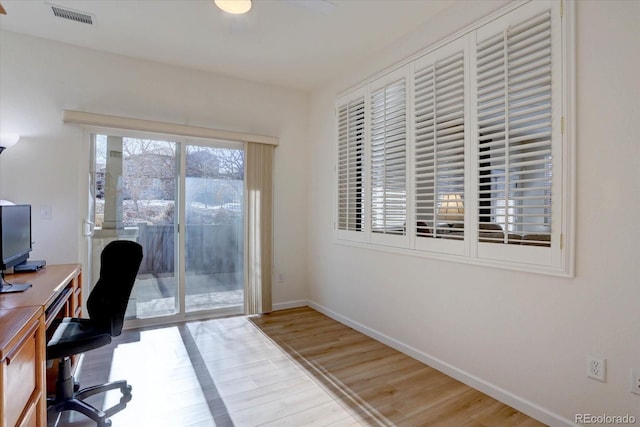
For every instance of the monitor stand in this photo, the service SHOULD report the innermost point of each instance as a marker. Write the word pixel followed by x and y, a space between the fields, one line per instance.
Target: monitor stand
pixel 6 287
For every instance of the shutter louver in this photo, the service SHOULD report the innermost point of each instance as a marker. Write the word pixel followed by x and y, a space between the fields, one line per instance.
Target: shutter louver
pixel 350 165
pixel 388 159
pixel 514 132
pixel 439 148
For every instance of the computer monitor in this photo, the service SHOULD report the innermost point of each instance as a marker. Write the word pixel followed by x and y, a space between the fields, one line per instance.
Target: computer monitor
pixel 15 240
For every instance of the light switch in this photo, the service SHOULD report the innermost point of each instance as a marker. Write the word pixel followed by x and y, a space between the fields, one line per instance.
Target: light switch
pixel 45 212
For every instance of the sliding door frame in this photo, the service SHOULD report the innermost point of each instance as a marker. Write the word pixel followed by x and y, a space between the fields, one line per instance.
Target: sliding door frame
pixel 87 200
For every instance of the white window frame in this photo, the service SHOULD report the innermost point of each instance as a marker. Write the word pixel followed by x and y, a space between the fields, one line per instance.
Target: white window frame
pixel 556 259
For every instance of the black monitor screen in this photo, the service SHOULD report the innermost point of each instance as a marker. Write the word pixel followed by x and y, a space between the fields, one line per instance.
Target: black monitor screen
pixel 15 234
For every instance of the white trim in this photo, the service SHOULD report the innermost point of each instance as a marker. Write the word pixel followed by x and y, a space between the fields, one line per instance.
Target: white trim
pixel 116 122
pixel 290 304
pixel 569 137
pixel 523 405
pixel 180 299
pixel 464 259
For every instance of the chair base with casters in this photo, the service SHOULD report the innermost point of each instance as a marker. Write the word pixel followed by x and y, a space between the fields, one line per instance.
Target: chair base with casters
pixel 106 306
pixel 69 398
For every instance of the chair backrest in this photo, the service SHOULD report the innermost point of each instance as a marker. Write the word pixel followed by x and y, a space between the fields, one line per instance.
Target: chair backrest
pixel 107 302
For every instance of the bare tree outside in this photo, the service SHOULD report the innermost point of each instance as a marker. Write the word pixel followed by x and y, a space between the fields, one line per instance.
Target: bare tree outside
pixel 150 170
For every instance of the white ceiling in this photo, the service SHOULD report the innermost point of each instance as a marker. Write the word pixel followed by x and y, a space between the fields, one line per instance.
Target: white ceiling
pixel 292 43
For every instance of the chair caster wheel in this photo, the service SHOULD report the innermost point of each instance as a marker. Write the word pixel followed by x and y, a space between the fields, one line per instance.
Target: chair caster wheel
pixel 105 423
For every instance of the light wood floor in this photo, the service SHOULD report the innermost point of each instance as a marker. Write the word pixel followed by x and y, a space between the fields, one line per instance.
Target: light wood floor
pixel 289 368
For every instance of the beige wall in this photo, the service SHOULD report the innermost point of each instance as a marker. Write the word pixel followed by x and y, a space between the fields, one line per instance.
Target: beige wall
pixel 38 79
pixel 519 336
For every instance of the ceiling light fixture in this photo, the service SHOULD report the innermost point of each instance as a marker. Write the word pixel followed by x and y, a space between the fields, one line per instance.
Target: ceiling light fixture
pixel 236 7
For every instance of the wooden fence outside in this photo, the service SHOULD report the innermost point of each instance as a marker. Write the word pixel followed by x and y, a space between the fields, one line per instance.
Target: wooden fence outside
pixel 210 249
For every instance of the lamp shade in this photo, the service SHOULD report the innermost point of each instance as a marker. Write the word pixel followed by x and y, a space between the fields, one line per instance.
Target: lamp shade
pixel 451 208
pixel 8 139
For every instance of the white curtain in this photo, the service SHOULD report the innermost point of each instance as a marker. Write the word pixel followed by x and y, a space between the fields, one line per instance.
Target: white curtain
pixel 259 231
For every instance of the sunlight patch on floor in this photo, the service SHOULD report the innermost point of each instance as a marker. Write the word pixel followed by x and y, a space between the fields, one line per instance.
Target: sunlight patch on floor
pixel 221 372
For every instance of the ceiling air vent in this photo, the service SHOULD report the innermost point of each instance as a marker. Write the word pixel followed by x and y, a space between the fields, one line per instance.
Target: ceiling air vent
pixel 73 15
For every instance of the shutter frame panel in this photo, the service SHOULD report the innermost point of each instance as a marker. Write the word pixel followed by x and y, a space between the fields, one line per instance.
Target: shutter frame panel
pixel 515 130
pixel 439 149
pixel 388 157
pixel 350 166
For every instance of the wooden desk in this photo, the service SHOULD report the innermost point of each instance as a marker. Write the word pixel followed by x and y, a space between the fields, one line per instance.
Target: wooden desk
pixel 49 284
pixel 24 317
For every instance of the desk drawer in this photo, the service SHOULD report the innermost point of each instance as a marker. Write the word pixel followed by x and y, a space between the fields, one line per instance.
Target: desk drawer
pixel 20 373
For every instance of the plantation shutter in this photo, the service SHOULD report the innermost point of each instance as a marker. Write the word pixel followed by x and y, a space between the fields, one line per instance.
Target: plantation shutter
pixel 514 108
pixel 461 153
pixel 351 132
pixel 439 108
pixel 388 158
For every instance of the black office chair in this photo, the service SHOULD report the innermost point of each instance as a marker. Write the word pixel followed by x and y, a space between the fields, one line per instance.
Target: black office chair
pixel 106 305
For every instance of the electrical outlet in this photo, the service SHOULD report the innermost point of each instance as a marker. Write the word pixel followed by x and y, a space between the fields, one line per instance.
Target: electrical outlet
pixel 597 368
pixel 635 381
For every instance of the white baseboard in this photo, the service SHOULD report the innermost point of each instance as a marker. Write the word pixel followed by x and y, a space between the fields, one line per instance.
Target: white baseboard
pixel 527 407
pixel 290 304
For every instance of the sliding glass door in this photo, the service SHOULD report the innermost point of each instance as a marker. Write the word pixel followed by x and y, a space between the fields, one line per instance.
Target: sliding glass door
pixel 140 189
pixel 214 237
